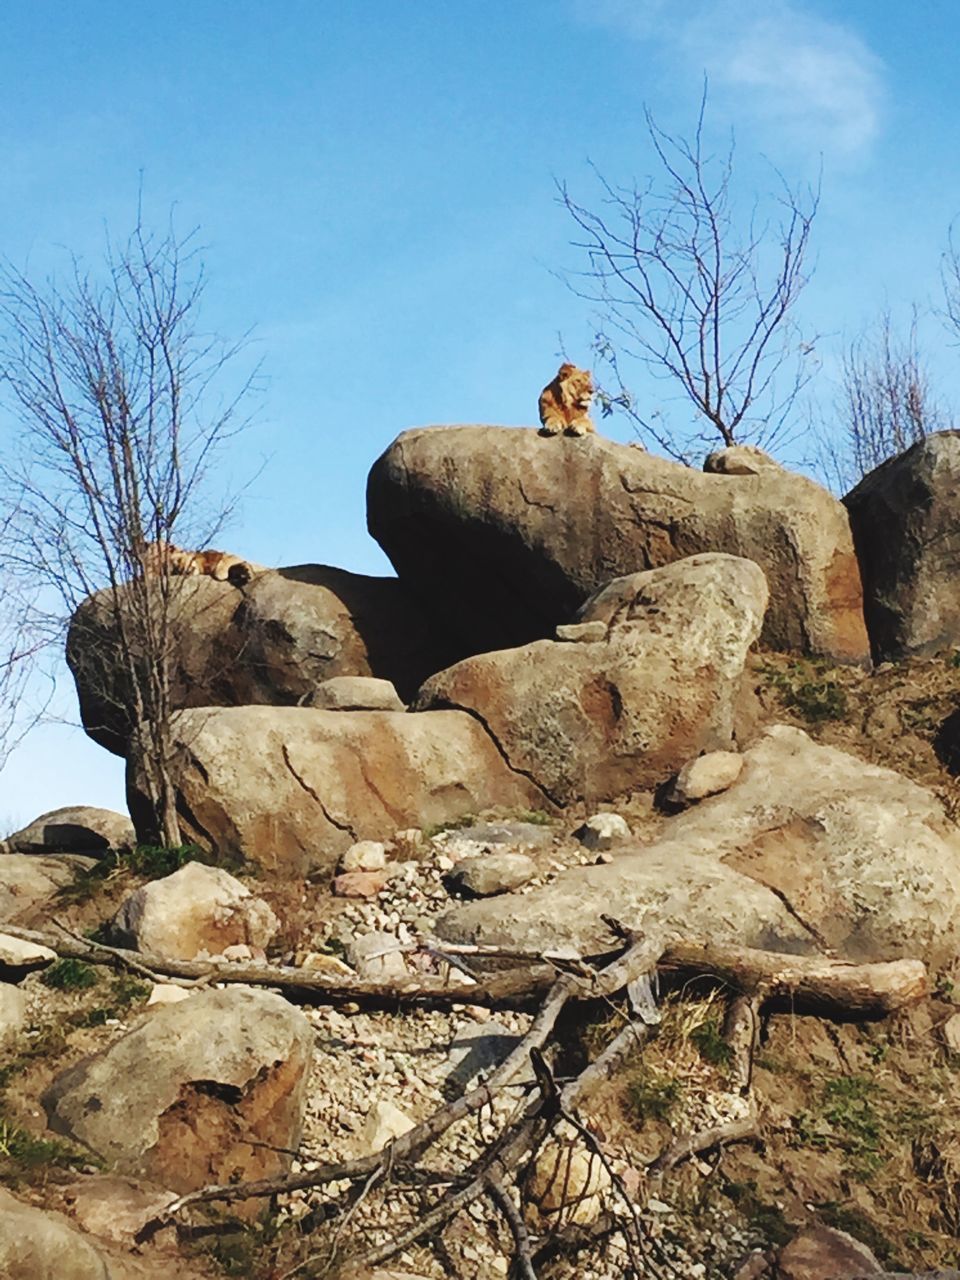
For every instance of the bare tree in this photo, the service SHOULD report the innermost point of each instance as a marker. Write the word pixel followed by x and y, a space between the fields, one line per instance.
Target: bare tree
pixel 699 301
pixel 118 398
pixel 24 695
pixel 886 399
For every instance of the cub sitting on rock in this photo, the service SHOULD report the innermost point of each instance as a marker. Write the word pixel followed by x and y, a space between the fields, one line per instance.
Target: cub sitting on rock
pixel 221 565
pixel 564 403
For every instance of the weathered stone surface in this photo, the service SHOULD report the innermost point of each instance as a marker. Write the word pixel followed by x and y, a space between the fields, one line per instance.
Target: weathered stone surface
pixel 951 1033
pixel 18 958
pixel 196 909
pixel 905 517
pixel 817 1253
pixel 356 693
pixel 13 1011
pixel 222 1099
pixel 868 859
pixel 74 829
pixel 706 776
pixel 115 1208
pixel 302 626
pixel 590 721
pixel 492 873
pixel 29 880
pixel 359 884
pixel 740 460
pixel 377 957
pixel 271 644
pixel 365 855
pixel 204 655
pixel 685 892
pixel 385 1121
pixel 857 859
pixel 503 535
pixel 291 788
pixel 603 831
pixel 36 1244
pixel 565 1185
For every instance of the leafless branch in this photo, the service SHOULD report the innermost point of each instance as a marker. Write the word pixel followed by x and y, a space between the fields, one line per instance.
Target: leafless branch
pixel 702 300
pixel 118 396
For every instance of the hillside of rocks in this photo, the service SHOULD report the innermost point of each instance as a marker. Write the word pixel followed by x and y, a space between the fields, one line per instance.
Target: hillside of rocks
pixel 584 901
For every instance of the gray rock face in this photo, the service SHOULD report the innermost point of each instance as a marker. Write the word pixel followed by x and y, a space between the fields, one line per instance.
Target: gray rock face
pixel 38 1245
pixel 356 693
pixel 270 644
pixel 197 908
pixel 504 534
pixel 13 1011
pixel 592 720
pixel 300 627
pixel 29 880
pixel 205 654
pixel 681 891
pixel 222 1099
pixel 492 873
pixel 291 789
pixel 905 517
pixel 817 1252
pixel 809 849
pixel 74 829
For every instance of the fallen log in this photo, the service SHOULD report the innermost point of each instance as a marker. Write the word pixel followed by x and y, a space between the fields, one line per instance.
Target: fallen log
pixel 814 984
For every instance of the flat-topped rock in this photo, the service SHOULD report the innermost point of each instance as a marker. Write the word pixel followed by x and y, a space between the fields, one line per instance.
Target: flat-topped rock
pixel 503 534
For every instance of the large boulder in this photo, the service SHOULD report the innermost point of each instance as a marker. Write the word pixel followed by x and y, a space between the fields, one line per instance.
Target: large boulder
pixel 202 647
pixel 503 534
pixel 271 643
pixel 682 892
pixel 857 859
pixel 75 829
pixel 28 881
pixel 905 517
pixel 589 719
pixel 302 626
pixel 292 788
pixel 197 908
pixel 210 1089
pixel 38 1245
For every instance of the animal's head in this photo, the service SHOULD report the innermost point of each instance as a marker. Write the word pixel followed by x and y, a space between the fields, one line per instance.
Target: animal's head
pixel 578 384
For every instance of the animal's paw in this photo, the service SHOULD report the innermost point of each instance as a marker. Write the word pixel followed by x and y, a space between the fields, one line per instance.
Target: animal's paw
pixel 551 429
pixel 580 427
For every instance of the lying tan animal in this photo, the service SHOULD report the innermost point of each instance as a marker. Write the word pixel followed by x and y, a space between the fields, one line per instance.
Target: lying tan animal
pixel 564 403
pixel 221 565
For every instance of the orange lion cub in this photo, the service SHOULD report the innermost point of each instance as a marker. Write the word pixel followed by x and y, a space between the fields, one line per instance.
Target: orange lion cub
pixel 221 565
pixel 564 403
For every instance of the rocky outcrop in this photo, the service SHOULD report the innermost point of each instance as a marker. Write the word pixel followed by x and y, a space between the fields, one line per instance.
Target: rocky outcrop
pixel 222 1099
pixel 203 654
pixel 290 788
pixel 196 909
pixel 29 880
pixel 810 848
pixel 503 535
pixel 590 720
pixel 75 829
pixel 271 644
pixel 905 517
pixel 299 627
pixel 655 885
pixel 38 1245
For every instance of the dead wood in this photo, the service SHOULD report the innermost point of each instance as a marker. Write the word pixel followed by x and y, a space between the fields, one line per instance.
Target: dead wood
pixel 706 1140
pixel 808 983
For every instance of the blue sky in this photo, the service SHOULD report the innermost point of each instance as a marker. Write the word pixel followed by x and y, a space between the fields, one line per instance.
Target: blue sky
pixel 374 183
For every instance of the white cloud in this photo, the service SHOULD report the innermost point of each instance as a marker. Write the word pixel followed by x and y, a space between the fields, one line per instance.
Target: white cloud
pixel 814 78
